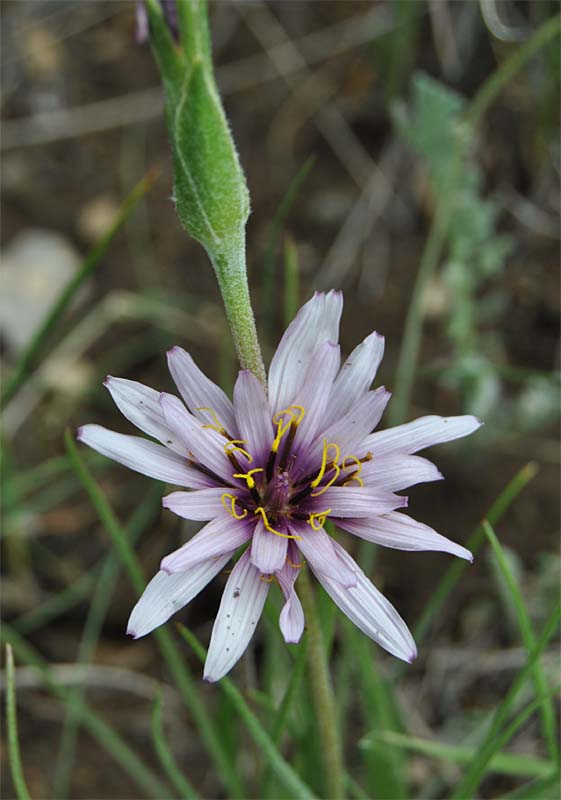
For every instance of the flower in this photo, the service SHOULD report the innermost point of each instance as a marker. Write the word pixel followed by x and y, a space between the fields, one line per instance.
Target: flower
pixel 268 470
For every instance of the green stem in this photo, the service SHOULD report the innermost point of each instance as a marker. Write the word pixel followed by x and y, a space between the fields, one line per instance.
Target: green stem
pixel 231 272
pixel 322 694
pixel 14 757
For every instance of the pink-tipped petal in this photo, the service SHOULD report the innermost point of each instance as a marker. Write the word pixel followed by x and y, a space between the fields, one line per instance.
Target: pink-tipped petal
pixel 199 506
pixel 240 610
pixel 291 619
pixel 403 533
pixel 357 501
pixel 146 457
pixel 398 472
pixel 206 445
pixel 140 405
pixel 355 377
pixel 222 535
pixel 316 323
pixel 253 416
pixel 369 610
pixel 198 391
pixel 166 594
pixel 421 433
pixel 316 548
pixel 268 551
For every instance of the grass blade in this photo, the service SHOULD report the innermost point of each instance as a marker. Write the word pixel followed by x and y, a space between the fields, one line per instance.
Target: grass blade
pixel 455 571
pixel 102 732
pixel 528 638
pixel 284 772
pixel 33 349
pixel 98 608
pixel 176 777
pixel 14 756
pixel 168 647
pixel 476 770
pixel 386 767
pixel 515 764
pixel 273 240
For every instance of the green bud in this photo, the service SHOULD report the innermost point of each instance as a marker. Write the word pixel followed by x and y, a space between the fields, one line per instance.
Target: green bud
pixel 210 188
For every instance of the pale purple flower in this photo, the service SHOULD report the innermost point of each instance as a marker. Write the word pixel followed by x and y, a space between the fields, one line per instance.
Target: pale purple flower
pixel 267 470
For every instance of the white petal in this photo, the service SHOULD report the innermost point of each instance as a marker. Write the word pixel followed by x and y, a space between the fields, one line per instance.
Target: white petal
pixel 369 610
pixel 140 405
pixel 221 535
pixel 357 501
pixel 206 445
pixel 421 433
pixel 403 533
pixel 253 416
pixel 317 548
pixel 316 323
pixel 198 391
pixel 240 609
pixel 350 430
pixel 268 551
pixel 199 506
pixel 398 472
pixel 166 594
pixel 139 454
pixel 291 620
pixel 355 377
pixel 314 395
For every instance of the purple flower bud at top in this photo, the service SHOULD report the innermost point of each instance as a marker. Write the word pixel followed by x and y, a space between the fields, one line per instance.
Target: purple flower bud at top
pixel 170 15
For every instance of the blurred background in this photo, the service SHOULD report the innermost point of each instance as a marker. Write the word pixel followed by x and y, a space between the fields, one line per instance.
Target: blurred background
pixel 348 117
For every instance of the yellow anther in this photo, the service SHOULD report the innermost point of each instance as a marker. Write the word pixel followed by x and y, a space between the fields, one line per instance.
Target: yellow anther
pixel 247 476
pixel 324 460
pixel 231 505
pixel 317 521
pixel 283 426
pixel 357 464
pixel 232 446
pixel 266 578
pixel 329 483
pixel 295 566
pixel 217 425
pixel 260 510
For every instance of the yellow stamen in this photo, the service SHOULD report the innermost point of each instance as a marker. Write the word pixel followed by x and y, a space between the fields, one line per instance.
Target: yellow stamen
pixel 357 463
pixel 231 508
pixel 260 510
pixel 217 425
pixel 317 521
pixel 266 578
pixel 295 566
pixel 326 448
pixel 247 476
pixel 282 426
pixel 232 446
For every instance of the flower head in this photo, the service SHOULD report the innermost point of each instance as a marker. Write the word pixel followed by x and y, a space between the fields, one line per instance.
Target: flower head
pixel 267 471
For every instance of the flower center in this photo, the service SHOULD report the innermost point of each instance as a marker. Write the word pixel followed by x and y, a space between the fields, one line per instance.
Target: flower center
pixel 276 492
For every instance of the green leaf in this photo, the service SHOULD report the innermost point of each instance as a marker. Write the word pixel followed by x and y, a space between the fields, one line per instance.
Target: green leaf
pixel 107 737
pixel 14 757
pixel 515 764
pixel 209 735
pixel 176 777
pixel 282 769
pixel 528 638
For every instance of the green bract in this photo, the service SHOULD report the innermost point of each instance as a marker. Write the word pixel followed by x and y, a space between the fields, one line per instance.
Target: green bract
pixel 210 190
